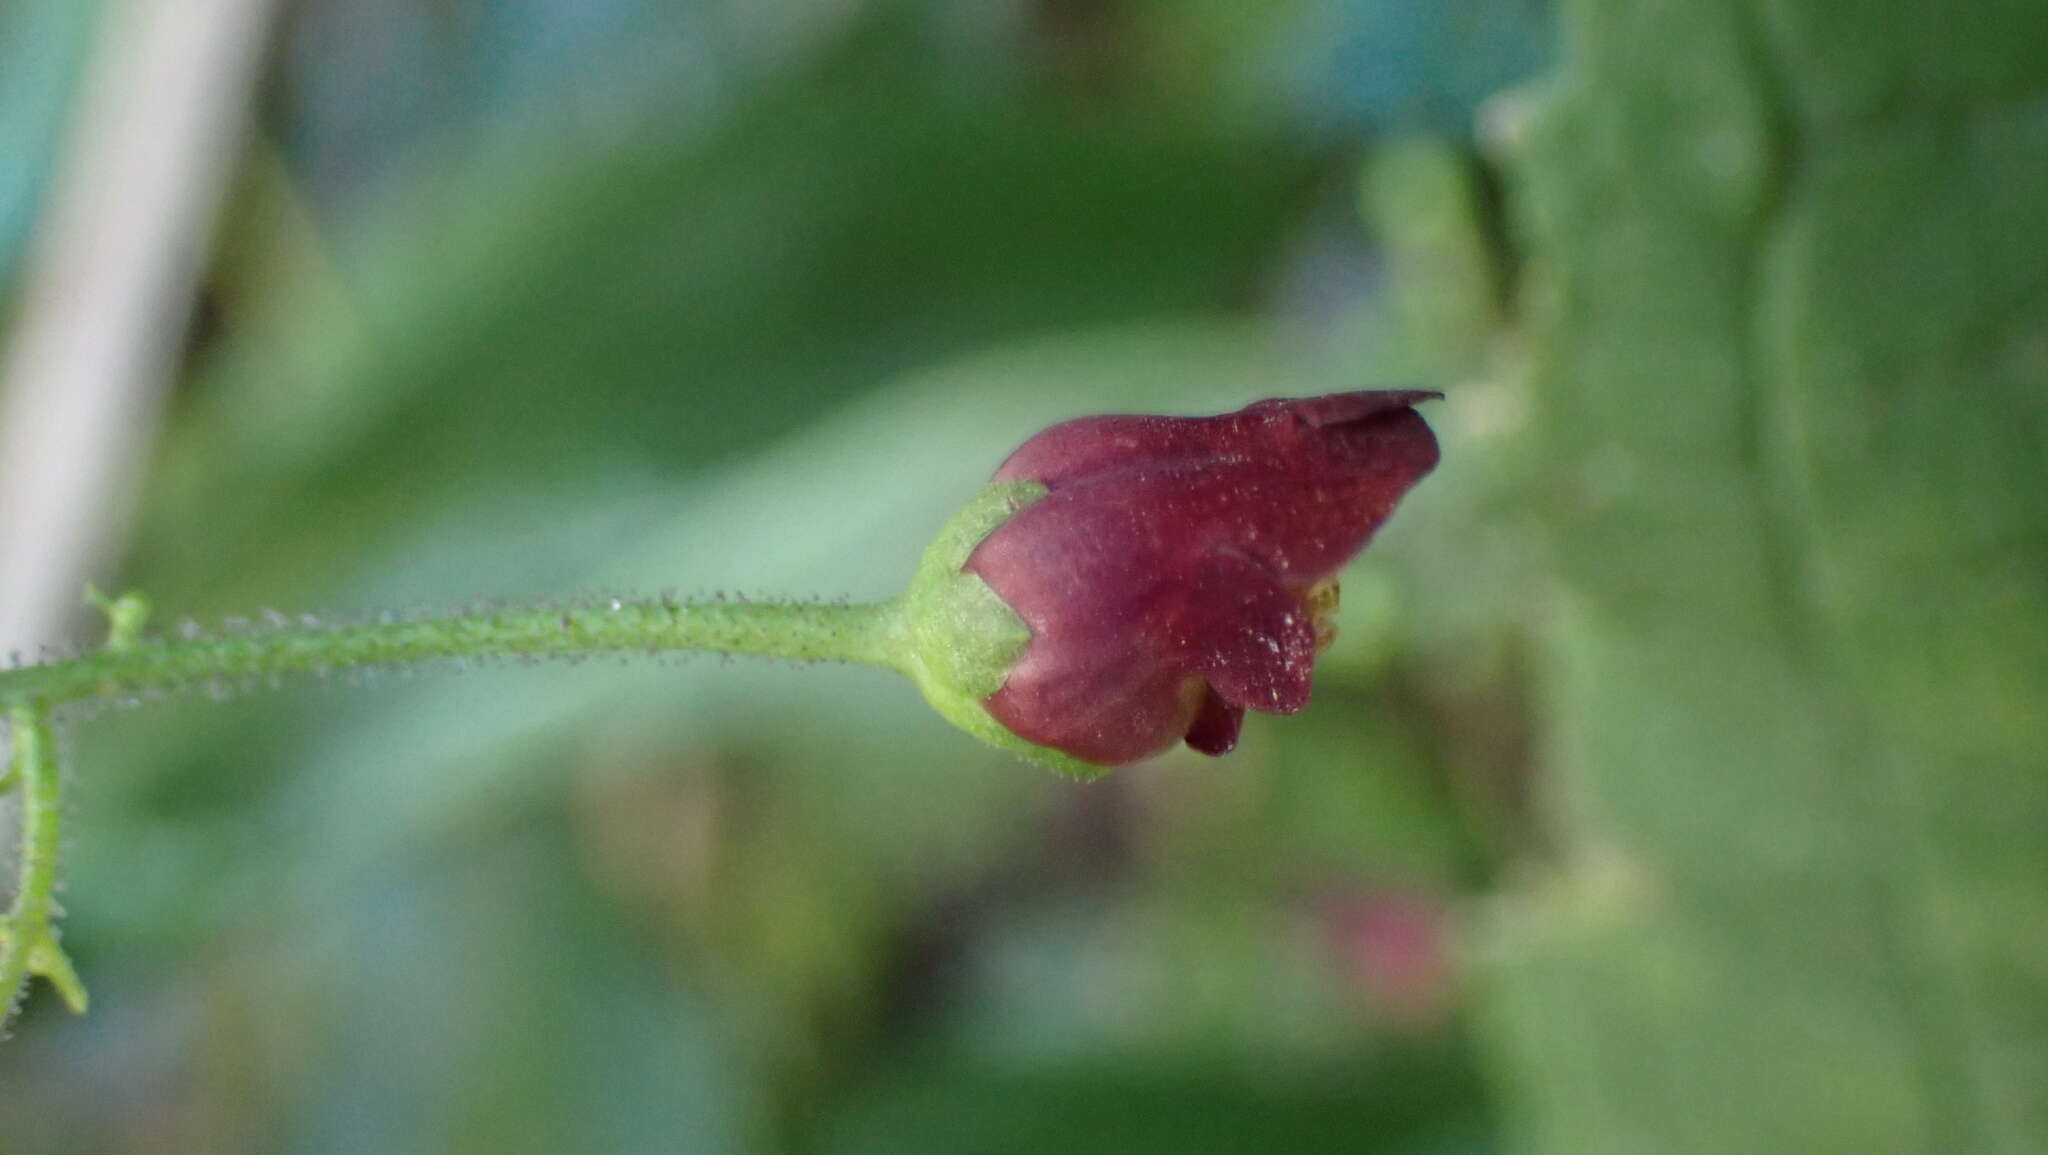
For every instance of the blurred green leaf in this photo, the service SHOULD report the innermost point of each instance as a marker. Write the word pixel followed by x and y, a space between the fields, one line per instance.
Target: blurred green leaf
pixel 1418 1109
pixel 1788 313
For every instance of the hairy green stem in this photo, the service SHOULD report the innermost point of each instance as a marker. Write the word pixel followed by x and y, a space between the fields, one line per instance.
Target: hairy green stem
pixel 131 665
pixel 803 631
pixel 28 943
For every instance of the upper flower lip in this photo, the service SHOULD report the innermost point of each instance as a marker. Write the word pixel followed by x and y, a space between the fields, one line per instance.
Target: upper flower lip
pixel 1163 573
pixel 1093 446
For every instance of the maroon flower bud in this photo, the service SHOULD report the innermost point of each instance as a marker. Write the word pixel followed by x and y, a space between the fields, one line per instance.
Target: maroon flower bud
pixel 1176 571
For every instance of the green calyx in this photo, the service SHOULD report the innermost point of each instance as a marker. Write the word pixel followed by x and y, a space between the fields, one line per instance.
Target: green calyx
pixel 958 640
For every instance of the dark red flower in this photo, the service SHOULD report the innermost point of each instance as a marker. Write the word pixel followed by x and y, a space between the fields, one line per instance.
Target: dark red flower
pixel 1173 574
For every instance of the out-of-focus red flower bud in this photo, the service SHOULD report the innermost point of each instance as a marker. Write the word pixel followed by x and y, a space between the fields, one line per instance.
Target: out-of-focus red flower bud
pixel 1178 571
pixel 1393 946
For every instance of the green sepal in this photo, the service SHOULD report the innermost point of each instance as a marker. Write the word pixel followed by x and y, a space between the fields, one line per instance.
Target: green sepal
pixel 958 639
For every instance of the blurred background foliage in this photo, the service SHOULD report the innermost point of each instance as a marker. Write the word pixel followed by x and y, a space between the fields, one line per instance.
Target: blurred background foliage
pixel 574 296
pixel 562 296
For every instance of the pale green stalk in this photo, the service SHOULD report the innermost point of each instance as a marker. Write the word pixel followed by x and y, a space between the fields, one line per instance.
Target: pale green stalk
pixel 28 943
pixel 131 667
pixel 803 631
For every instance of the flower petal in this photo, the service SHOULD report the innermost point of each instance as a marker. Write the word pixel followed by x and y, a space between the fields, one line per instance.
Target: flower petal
pixel 1253 638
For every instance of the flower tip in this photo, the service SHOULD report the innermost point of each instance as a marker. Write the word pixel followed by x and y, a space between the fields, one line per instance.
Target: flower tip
pixel 1348 408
